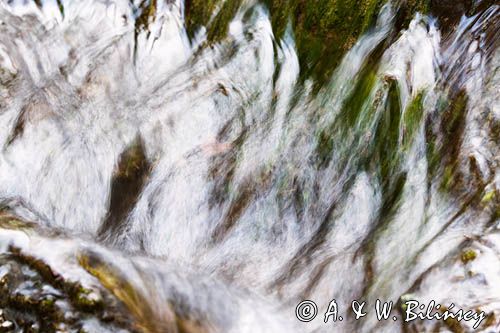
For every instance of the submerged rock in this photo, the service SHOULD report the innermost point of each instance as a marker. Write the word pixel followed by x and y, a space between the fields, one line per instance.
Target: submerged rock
pixel 86 293
pixel 324 31
pixel 35 299
pixel 128 180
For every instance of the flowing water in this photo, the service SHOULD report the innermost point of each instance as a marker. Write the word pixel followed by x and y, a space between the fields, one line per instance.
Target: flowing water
pixel 210 186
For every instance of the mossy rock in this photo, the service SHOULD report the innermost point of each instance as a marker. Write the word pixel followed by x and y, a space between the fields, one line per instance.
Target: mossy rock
pixel 324 30
pixel 468 256
pixel 145 318
pixel 451 133
pixel 403 299
pixel 10 222
pixel 489 196
pixel 412 118
pixel 128 181
pixel 36 299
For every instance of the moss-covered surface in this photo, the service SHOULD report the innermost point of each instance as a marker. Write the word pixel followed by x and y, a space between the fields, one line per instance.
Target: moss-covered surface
pixel 356 116
pixel 457 175
pixel 412 118
pixel 387 145
pixel 11 222
pixel 198 13
pixel 443 148
pixel 468 256
pixel 145 318
pixel 489 196
pixel 126 293
pixel 452 323
pixel 36 299
pixel 144 13
pixel 324 30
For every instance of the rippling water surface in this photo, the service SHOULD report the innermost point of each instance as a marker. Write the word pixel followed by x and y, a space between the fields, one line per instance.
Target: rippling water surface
pixel 202 183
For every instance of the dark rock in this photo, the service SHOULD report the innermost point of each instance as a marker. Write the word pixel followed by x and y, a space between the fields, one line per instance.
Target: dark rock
pixel 128 181
pixel 449 12
pixel 36 299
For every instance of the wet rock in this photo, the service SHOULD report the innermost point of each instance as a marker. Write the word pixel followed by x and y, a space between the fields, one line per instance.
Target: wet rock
pixel 10 222
pixel 324 31
pixel 449 12
pixel 129 178
pixel 134 301
pixel 36 299
pixel 146 318
pixel 198 13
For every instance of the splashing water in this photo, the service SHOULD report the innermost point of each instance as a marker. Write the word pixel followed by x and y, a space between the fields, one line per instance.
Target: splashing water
pixel 210 186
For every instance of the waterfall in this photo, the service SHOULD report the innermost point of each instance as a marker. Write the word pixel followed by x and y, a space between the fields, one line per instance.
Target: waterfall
pixel 162 174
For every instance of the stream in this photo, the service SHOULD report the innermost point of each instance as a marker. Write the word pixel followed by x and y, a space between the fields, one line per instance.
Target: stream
pixel 167 171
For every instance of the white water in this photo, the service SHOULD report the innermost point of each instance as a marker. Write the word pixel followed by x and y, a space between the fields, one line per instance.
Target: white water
pixel 221 132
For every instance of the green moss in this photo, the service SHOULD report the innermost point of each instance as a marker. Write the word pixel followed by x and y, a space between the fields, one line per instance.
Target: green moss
pixel 324 147
pixel 403 299
pixel 355 116
pixel 407 11
pixel 39 266
pixel 447 179
pixel 214 15
pixel 112 280
pixel 86 300
pixel 488 197
pixel 324 30
pixel 145 13
pixel 356 105
pixel 432 154
pixel 32 307
pixel 198 13
pixel 388 152
pixel 468 256
pixel 220 25
pixel 452 127
pixel 12 223
pixel 47 305
pixel 81 298
pixel 455 113
pixel 412 119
